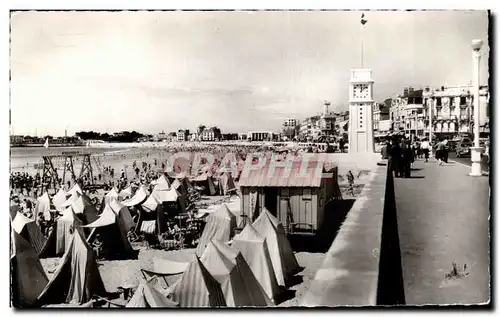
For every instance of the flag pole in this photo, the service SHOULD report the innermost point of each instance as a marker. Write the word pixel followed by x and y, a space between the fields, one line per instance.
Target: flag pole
pixel 362 31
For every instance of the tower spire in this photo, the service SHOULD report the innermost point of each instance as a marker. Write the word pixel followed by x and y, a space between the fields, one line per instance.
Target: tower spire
pixel 363 22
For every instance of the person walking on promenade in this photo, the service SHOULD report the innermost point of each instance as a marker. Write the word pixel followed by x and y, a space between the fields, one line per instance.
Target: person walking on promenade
pixel 440 147
pixel 425 146
pixel 395 157
pixel 445 151
pixel 408 159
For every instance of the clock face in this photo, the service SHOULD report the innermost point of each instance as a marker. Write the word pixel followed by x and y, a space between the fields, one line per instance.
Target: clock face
pixel 360 91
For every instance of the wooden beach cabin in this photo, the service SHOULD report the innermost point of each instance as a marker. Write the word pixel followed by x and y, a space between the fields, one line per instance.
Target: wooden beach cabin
pixel 297 198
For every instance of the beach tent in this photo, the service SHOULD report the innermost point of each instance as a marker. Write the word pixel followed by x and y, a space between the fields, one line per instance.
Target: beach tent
pixel 64 231
pixel 182 184
pixel 151 217
pixel 29 230
pixel 206 181
pixel 170 197
pixel 85 209
pixel 197 288
pixel 59 199
pixel 255 251
pixel 164 268
pixel 76 189
pixel 77 279
pixel 225 184
pixel 43 206
pixel 220 225
pixel 139 197
pixel 126 192
pixel 161 180
pixel 284 262
pixel 238 283
pixel 112 194
pixel 146 296
pixel 123 214
pixel 28 279
pixel 69 201
pixel 14 208
pixel 112 230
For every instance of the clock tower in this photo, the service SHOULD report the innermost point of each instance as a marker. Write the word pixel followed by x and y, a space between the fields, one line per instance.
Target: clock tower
pixel 361 111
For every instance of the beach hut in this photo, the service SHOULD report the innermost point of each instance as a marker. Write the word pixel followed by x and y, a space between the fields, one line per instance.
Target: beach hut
pixel 296 196
pixel 147 296
pixel 253 248
pixel 28 279
pixel 285 264
pixel 113 233
pixel 29 230
pixel 59 199
pixel 77 278
pixel 139 197
pixel 197 288
pixel 238 283
pixel 221 225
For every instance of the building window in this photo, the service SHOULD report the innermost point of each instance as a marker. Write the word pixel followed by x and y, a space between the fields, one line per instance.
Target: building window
pixel 463 101
pixel 438 101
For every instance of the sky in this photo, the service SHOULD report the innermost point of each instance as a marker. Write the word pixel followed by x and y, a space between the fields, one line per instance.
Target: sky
pixel 240 71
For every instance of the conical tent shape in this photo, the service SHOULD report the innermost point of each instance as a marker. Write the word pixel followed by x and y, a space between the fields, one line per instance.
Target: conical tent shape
pixel 151 210
pixel 284 262
pixel 76 189
pixel 197 288
pixel 112 194
pixel 70 201
pixel 85 209
pixel 226 184
pixel 64 227
pixel 163 180
pixel 77 279
pixel 255 251
pixel 146 296
pixel 28 279
pixel 43 206
pixel 114 236
pixel 139 197
pixel 14 208
pixel 220 226
pixel 59 199
pixel 238 282
pixel 123 214
pixel 29 230
pixel 126 192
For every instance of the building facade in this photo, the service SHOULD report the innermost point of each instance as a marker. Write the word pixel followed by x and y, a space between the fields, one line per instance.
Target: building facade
pixel 289 129
pixel 182 135
pixel 260 136
pixel 453 111
pixel 207 135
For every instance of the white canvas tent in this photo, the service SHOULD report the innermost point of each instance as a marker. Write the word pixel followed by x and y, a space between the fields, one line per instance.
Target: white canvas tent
pixel 43 206
pixel 284 262
pixel 139 197
pixel 238 283
pixel 197 288
pixel 126 192
pixel 151 217
pixel 221 225
pixel 146 296
pixel 255 251
pixel 64 228
pixel 29 230
pixel 76 189
pixel 77 279
pixel 59 199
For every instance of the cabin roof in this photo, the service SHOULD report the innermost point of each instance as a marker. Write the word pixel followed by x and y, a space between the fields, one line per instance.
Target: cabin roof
pixel 264 177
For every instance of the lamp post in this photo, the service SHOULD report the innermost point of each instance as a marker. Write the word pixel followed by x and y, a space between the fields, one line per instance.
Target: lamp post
pixel 476 149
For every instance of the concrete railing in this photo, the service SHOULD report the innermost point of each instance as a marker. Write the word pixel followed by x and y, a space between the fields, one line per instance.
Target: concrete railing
pixel 363 266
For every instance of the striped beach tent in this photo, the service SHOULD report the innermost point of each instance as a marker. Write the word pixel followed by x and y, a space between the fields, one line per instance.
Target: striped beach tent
pixel 221 225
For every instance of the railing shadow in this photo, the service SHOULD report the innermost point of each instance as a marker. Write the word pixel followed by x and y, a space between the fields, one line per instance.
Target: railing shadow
pixel 390 290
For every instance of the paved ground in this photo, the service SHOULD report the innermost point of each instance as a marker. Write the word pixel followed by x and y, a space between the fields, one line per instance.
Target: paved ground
pixel 466 161
pixel 443 218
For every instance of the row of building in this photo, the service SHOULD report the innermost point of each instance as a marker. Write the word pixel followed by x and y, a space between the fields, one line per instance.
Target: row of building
pixel 445 112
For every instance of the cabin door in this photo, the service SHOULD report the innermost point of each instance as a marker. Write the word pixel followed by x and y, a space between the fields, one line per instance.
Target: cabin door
pixel 271 200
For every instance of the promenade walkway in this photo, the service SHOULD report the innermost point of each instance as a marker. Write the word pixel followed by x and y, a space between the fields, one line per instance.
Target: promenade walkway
pixel 443 217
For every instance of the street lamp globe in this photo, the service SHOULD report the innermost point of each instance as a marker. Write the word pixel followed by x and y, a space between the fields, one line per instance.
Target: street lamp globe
pixel 476 45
